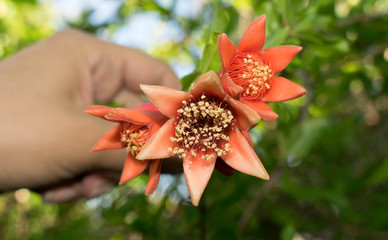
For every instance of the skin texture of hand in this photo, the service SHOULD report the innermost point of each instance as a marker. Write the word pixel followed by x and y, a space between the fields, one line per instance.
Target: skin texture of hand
pixel 45 134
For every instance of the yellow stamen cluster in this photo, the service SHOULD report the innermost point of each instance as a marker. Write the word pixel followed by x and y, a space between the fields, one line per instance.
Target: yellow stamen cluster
pixel 133 136
pixel 202 128
pixel 250 72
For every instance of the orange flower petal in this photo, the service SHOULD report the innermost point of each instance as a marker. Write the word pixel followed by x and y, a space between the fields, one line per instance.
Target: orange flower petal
pixel 247 137
pixel 167 100
pixel 111 140
pixel 98 110
pixel 283 89
pixel 197 173
pixel 153 113
pixel 226 50
pixel 154 172
pixel 158 144
pixel 132 168
pixel 208 83
pixel 246 117
pixel 254 37
pixel 230 87
pixel 149 107
pixel 243 158
pixel 128 115
pixel 280 56
pixel 262 109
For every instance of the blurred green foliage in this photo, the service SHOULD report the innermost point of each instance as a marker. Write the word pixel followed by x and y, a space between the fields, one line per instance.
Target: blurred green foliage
pixel 326 153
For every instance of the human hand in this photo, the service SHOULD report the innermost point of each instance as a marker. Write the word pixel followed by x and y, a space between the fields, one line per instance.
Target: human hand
pixel 45 135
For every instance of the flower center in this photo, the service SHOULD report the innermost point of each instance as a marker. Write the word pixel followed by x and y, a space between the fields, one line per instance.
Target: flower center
pixel 133 136
pixel 202 127
pixel 252 73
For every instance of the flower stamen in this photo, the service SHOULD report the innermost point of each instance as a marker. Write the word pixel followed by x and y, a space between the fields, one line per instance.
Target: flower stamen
pixel 134 136
pixel 252 73
pixel 202 127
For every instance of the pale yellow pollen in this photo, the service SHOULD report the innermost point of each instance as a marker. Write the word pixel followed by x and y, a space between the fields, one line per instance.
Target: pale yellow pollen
pixel 201 128
pixel 251 72
pixel 133 136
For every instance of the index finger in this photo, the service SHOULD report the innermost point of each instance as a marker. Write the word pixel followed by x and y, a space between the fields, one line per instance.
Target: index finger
pixel 113 67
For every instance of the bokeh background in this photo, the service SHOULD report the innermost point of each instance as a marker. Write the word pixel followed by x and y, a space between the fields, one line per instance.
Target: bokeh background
pixel 326 153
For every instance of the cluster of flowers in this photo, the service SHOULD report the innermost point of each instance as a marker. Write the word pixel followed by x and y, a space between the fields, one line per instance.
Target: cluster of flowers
pixel 206 127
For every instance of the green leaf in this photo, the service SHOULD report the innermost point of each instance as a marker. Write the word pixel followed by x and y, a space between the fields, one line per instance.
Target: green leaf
pixel 381 174
pixel 187 80
pixel 210 61
pixel 277 37
pixel 210 58
pixel 303 138
pixel 287 232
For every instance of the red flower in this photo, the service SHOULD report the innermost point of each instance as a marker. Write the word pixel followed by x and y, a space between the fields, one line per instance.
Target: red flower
pixel 135 128
pixel 205 124
pixel 248 71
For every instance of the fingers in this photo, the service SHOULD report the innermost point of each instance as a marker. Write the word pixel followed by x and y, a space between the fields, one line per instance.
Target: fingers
pixel 128 99
pixel 95 184
pixel 121 68
pixel 91 185
pixel 107 68
pixel 63 193
pixel 143 69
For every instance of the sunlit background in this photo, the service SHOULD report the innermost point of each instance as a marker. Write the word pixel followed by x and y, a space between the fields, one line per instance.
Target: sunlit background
pixel 327 153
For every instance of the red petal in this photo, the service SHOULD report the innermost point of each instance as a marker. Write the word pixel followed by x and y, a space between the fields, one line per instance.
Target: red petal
pixel 262 109
pixel 129 115
pixel 230 87
pixel 226 50
pixel 111 140
pixel 247 137
pixel 154 172
pixel 197 173
pixel 132 168
pixel 246 117
pixel 254 37
pixel 282 90
pixel 280 56
pixel 158 144
pixel 208 83
pixel 153 113
pixel 224 168
pixel 98 110
pixel 243 158
pixel 167 100
pixel 149 107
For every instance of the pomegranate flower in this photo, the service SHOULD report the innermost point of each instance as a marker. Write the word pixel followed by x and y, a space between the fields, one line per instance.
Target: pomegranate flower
pixel 135 128
pixel 248 71
pixel 205 124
